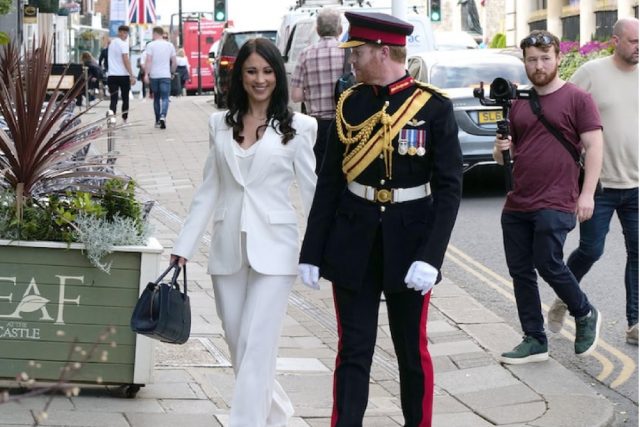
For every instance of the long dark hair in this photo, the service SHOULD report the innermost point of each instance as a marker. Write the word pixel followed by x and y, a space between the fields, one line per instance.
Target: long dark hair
pixel 238 100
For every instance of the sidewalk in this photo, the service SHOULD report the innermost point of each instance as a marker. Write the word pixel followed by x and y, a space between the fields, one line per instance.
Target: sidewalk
pixel 193 382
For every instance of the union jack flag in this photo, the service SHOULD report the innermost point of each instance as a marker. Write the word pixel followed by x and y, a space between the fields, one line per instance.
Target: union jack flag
pixel 142 11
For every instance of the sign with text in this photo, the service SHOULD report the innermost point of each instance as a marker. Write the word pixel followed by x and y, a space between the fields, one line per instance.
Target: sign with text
pixel 30 14
pixel 55 307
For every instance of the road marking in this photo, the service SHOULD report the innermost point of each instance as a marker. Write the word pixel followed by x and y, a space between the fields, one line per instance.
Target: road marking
pixel 476 269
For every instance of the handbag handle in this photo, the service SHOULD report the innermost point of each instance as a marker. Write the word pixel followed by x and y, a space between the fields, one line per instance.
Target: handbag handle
pixel 171 267
pixel 174 278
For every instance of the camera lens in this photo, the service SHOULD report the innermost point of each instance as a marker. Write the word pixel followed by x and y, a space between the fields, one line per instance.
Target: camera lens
pixel 502 89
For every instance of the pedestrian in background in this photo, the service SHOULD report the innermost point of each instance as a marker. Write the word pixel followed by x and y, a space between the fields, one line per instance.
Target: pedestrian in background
pixel 183 70
pixel 258 148
pixel 120 76
pixel 374 227
pixel 542 207
pixel 613 83
pixel 159 66
pixel 94 73
pixel 103 62
pixel 143 84
pixel 314 78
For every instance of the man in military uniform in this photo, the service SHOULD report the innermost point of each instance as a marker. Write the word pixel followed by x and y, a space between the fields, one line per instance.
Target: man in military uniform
pixel 385 204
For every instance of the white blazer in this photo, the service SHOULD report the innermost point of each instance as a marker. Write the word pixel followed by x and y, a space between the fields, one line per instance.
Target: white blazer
pixel 263 200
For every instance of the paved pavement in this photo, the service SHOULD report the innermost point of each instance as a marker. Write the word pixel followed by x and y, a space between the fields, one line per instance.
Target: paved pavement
pixel 193 382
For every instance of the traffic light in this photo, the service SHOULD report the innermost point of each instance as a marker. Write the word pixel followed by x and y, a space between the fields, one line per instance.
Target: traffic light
pixel 436 13
pixel 220 10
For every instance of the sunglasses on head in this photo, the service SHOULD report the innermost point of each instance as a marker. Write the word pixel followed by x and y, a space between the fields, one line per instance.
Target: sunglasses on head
pixel 537 40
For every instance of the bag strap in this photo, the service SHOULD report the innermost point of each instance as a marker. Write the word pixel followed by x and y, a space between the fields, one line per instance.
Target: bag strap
pixel 536 108
pixel 173 265
pixel 174 279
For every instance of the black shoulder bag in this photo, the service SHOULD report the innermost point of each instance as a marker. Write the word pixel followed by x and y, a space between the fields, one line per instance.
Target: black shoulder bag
pixel 162 311
pixel 536 108
pixel 347 79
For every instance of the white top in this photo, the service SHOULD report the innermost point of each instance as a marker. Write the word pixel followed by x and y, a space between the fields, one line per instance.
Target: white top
pixel 615 92
pixel 117 48
pixel 182 61
pixel 245 160
pixel 160 53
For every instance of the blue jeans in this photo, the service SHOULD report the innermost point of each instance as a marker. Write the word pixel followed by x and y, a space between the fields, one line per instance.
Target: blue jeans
pixel 534 241
pixel 161 89
pixel 593 234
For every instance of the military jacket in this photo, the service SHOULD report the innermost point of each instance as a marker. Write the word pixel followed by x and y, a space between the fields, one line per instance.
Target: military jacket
pixel 342 226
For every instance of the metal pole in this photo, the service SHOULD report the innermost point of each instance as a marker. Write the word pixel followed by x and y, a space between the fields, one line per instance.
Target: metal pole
pixel 199 59
pixel 19 26
pixel 180 39
pixel 111 140
pixel 55 44
pixel 85 73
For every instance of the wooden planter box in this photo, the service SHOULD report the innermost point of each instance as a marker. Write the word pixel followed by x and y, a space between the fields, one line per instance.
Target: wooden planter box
pixel 53 302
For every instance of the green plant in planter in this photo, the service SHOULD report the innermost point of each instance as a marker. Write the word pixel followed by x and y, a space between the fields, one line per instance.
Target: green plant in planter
pixel 50 189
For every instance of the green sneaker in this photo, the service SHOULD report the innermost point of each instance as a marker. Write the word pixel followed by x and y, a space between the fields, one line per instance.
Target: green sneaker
pixel 587 332
pixel 529 350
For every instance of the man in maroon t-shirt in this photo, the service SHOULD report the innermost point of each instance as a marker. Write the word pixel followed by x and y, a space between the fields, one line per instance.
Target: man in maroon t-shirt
pixel 545 201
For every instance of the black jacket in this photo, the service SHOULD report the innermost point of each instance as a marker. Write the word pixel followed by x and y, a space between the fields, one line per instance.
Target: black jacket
pixel 342 226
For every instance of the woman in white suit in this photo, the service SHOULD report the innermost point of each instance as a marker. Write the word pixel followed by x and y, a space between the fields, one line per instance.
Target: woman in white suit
pixel 258 147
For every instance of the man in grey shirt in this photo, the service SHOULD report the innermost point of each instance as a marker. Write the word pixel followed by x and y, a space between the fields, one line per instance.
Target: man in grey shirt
pixel 160 64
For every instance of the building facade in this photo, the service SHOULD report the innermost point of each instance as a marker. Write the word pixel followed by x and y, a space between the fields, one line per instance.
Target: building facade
pixel 574 20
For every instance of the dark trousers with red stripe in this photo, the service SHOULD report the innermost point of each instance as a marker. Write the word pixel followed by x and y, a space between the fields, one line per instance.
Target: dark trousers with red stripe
pixel 357 316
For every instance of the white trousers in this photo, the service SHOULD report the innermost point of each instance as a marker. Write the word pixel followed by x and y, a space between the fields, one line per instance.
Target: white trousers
pixel 252 307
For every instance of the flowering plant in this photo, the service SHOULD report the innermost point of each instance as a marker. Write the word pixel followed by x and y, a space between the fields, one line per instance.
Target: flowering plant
pixel 575 55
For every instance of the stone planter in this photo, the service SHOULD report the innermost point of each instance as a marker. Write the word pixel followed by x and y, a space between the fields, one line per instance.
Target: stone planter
pixel 53 302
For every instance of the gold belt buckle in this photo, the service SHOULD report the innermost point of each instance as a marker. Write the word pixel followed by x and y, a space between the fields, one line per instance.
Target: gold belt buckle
pixel 383 195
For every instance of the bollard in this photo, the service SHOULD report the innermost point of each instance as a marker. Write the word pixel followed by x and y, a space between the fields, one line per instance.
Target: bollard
pixel 111 139
pixel 85 73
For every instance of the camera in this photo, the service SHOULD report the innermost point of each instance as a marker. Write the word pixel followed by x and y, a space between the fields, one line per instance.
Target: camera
pixel 502 89
pixel 501 92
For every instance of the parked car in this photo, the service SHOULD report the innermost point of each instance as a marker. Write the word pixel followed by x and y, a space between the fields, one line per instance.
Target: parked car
pixel 458 73
pixel 230 42
pixel 454 40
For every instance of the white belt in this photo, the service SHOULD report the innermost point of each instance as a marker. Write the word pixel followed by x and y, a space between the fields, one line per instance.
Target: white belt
pixel 389 195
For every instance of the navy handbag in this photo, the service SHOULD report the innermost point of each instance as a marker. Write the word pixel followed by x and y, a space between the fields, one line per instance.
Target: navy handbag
pixel 163 311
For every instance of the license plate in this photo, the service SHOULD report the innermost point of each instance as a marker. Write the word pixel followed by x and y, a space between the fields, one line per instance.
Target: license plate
pixel 490 116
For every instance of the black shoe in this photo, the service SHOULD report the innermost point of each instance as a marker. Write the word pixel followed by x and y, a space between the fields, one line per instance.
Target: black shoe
pixel 157 125
pixel 163 124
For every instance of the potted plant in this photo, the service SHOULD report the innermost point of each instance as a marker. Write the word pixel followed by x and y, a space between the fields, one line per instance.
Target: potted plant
pixel 74 246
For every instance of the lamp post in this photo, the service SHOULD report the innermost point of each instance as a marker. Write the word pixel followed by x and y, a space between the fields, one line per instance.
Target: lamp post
pixel 199 57
pixel 19 23
pixel 180 23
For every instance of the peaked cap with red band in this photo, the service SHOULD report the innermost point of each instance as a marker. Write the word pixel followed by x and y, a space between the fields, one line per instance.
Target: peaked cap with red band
pixel 376 28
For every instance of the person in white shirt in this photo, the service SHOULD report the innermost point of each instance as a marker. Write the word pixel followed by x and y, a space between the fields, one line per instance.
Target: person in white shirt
pixel 258 149
pixel 183 69
pixel 160 64
pixel 120 77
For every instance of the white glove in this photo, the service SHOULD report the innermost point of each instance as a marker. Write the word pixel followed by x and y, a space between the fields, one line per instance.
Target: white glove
pixel 309 274
pixel 421 277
